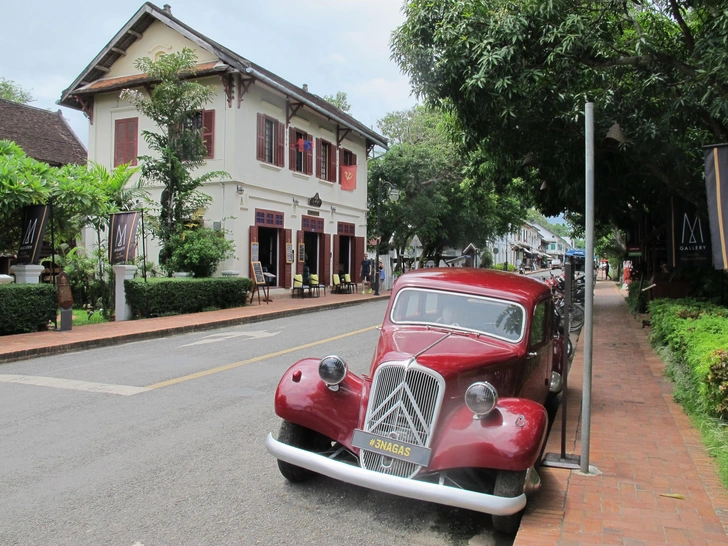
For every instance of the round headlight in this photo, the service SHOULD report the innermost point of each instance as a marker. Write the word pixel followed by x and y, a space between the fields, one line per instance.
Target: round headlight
pixel 332 370
pixel 481 398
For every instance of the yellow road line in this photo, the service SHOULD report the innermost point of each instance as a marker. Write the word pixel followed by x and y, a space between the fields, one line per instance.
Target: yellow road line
pixel 256 359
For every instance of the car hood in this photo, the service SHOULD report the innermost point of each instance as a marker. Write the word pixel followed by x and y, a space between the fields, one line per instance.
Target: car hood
pixel 448 355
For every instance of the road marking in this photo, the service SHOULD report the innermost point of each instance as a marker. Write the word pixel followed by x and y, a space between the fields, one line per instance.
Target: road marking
pixel 256 359
pixel 70 384
pixel 214 338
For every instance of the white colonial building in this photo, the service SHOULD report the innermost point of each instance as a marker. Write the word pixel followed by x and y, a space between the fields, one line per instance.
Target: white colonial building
pixel 284 204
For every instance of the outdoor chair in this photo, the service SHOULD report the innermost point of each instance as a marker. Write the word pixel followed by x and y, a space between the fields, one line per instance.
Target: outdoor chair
pixel 351 285
pixel 316 285
pixel 299 287
pixel 338 287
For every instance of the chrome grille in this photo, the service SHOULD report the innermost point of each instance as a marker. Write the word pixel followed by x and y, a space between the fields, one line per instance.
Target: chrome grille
pixel 403 405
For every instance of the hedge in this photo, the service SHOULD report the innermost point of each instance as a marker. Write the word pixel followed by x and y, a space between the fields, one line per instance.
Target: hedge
pixel 697 334
pixel 26 307
pixel 160 297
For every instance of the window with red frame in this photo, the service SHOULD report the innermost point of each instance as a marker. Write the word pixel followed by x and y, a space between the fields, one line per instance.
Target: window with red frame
pixel 125 141
pixel 301 147
pixel 270 141
pixel 325 160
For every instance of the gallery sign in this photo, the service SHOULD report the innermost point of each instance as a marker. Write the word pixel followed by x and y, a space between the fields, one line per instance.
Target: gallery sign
pixel 122 237
pixel 689 236
pixel 35 219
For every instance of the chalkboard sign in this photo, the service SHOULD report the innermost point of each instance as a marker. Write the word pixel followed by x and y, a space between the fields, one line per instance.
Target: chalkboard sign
pixel 289 253
pixel 258 273
pixel 301 252
pixel 254 252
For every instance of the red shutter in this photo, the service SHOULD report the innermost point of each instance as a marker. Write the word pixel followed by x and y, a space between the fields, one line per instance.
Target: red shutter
pixel 358 257
pixel 260 149
pixel 292 148
pixel 119 141
pixel 287 267
pixel 319 157
pixel 353 159
pixel 299 263
pixel 208 132
pixel 308 160
pixel 280 144
pixel 253 239
pixel 336 258
pixel 331 171
pixel 341 161
pixel 325 259
pixel 125 141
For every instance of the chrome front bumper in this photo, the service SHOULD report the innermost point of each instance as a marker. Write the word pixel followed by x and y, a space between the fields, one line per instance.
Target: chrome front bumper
pixel 405 487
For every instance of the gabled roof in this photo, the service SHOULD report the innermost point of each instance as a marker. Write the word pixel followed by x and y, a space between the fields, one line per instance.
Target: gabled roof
pixel 233 64
pixel 42 134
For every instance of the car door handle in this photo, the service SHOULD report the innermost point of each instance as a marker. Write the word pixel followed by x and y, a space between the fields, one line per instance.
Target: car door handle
pixel 532 354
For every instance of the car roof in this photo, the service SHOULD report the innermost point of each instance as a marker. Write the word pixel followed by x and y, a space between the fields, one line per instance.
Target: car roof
pixel 484 282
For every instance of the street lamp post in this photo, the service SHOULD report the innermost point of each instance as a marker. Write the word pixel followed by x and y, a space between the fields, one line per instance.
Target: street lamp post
pixel 393 196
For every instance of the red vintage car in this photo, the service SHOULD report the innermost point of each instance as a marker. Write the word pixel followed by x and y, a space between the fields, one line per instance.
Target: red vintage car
pixel 452 411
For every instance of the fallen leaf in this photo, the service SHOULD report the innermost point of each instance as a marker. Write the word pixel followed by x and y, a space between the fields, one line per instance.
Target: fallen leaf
pixel 673 495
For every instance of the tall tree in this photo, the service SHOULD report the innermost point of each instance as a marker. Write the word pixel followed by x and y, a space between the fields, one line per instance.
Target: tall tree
pixel 339 100
pixel 516 76
pixel 174 105
pixel 9 90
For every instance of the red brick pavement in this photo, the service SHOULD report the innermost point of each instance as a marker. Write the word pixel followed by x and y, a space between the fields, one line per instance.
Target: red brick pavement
pixel 642 444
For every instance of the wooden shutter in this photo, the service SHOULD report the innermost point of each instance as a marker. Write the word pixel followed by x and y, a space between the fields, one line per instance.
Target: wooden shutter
pixel 325 259
pixel 119 141
pixel 253 239
pixel 208 132
pixel 280 144
pixel 336 257
pixel 308 159
pixel 331 171
pixel 319 157
pixel 292 148
pixel 353 159
pixel 299 263
pixel 287 267
pixel 341 161
pixel 359 250
pixel 125 141
pixel 260 149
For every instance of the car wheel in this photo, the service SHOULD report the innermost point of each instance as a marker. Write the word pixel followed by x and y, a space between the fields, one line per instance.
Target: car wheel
pixel 508 484
pixel 303 438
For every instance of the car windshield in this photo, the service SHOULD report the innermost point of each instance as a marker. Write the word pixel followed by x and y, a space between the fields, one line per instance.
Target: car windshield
pixel 493 317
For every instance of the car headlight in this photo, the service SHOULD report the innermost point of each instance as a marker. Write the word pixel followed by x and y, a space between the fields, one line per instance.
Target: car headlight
pixel 481 398
pixel 332 370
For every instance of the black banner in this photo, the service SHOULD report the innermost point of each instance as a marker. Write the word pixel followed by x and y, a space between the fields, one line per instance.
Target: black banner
pixel 35 219
pixel 122 237
pixel 716 187
pixel 689 236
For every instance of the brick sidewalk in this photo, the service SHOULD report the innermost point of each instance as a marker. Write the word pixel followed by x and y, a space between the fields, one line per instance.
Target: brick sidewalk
pixel 641 443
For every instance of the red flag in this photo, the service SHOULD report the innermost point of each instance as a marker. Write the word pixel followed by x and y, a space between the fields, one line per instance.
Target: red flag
pixel 299 145
pixel 348 177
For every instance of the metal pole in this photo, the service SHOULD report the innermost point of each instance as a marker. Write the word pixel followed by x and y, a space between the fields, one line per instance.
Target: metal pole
pixel 589 295
pixel 53 258
pixel 144 248
pixel 568 278
pixel 375 266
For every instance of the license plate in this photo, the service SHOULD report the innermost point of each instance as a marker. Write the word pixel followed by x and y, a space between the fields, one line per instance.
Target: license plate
pixel 390 447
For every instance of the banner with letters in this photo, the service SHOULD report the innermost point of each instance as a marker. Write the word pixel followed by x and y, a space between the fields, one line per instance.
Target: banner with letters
pixel 688 234
pixel 35 219
pixel 122 237
pixel 716 188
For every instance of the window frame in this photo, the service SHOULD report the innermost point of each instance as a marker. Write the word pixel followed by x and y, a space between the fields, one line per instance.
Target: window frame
pixel 124 156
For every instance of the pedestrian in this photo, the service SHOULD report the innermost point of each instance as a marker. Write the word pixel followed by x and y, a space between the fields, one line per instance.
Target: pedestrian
pixel 366 268
pixel 382 276
pixel 606 270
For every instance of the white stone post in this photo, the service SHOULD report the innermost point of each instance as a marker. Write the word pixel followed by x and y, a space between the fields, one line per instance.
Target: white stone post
pixel 5 279
pixel 27 273
pixel 121 273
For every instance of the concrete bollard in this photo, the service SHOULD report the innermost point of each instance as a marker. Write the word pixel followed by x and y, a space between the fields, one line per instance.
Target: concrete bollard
pixel 122 273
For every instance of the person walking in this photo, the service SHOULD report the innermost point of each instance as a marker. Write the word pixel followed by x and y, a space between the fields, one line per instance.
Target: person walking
pixel 382 276
pixel 606 271
pixel 366 268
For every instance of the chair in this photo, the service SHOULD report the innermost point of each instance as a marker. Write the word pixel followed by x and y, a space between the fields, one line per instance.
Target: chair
pixel 338 287
pixel 315 285
pixel 299 287
pixel 351 286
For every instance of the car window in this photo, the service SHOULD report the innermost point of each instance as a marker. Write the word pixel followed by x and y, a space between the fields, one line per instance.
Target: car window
pixel 538 325
pixel 494 317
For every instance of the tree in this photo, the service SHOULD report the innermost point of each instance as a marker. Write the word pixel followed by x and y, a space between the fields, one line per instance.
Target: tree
pixel 339 100
pixel 174 106
pixel 9 90
pixel 516 77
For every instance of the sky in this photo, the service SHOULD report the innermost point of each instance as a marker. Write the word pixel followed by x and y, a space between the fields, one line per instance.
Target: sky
pixel 331 45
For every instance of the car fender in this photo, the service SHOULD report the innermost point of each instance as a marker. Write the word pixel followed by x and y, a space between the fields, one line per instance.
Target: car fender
pixel 509 438
pixel 304 399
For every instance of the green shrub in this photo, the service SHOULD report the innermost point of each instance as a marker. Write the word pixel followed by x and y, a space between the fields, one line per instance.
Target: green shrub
pixel 26 307
pixel 160 297
pixel 199 251
pixel 696 332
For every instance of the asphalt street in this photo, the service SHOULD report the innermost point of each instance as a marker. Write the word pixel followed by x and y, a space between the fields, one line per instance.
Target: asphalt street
pixel 162 443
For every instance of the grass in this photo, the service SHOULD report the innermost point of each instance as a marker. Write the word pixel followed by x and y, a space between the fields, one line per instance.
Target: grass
pixel 81 318
pixel 714 432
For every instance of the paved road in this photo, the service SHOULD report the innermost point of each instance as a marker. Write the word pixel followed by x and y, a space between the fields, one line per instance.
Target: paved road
pixel 161 443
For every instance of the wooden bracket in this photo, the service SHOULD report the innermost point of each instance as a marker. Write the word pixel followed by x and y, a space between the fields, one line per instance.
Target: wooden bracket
pixel 148 87
pixel 227 84
pixel 243 86
pixel 291 109
pixel 341 135
pixel 87 107
pixel 370 147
